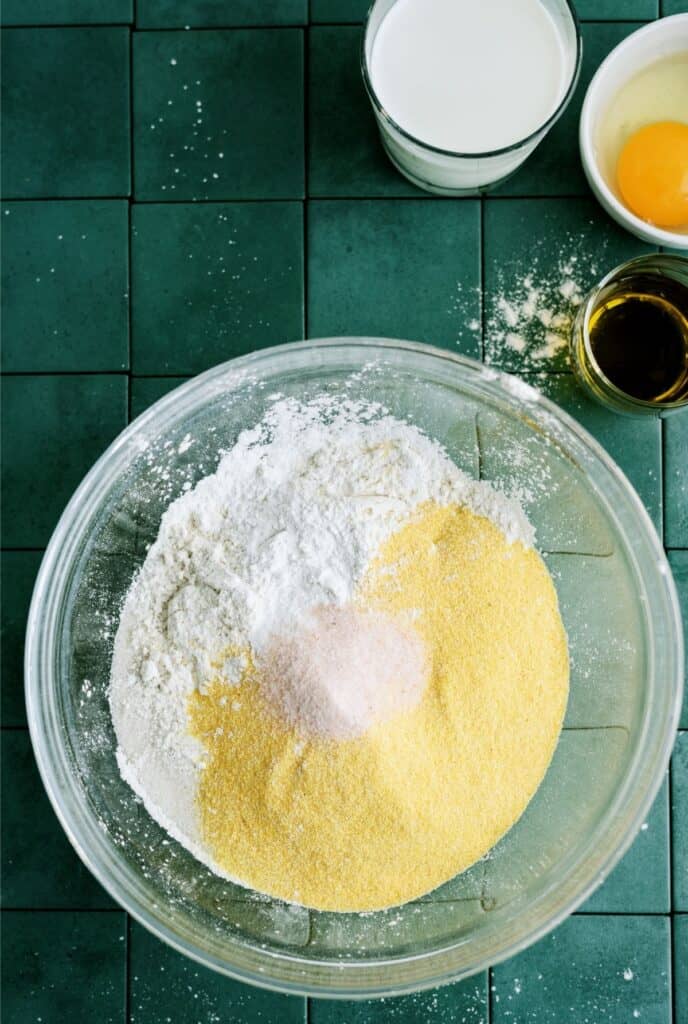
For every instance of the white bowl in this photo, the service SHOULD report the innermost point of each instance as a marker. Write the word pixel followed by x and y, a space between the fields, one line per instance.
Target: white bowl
pixel 660 39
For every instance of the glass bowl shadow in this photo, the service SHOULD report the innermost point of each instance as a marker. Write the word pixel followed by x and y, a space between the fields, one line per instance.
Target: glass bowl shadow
pixel 618 603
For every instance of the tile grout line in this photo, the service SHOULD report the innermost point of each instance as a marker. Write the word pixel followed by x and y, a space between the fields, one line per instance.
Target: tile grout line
pixel 130 304
pixel 482 279
pixel 257 26
pixel 127 969
pixel 196 201
pixel 306 182
pixel 304 257
pixel 130 308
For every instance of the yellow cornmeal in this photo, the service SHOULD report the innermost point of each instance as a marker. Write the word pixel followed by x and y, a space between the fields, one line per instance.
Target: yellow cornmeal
pixel 371 822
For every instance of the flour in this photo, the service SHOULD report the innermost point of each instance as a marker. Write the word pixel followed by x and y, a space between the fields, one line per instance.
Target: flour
pixel 532 314
pixel 287 524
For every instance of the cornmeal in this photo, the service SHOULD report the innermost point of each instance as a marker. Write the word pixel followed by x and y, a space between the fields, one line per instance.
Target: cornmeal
pixel 370 822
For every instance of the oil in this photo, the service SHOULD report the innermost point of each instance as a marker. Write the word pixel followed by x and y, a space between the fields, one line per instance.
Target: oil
pixel 639 337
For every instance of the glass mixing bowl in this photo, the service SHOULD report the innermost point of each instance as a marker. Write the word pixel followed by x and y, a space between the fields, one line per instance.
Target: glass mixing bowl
pixel 618 603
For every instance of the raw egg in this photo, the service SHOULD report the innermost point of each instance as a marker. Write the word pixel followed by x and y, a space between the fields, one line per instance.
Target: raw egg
pixel 652 174
pixel 641 142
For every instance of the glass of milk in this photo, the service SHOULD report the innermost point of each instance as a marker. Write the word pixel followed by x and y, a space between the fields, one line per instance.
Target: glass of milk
pixel 463 91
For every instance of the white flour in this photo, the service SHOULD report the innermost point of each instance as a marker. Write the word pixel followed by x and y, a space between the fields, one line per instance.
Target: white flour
pixel 532 314
pixel 287 523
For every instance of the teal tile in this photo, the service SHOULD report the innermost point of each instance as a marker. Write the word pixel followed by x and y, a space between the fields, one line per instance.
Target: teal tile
pixel 678 560
pixel 676 480
pixel 680 936
pixel 451 1004
pixel 19 570
pixel 562 247
pixel 227 13
pixel 592 969
pixel 679 822
pixel 634 443
pixel 53 430
pixel 166 986
pixel 355 10
pixel 219 115
pixel 639 884
pixel 617 9
pixel 209 282
pixel 60 967
pixel 339 10
pixel 555 168
pixel 65 279
pixel 346 157
pixel 39 866
pixel 147 390
pixel 397 268
pixel 66 12
pixel 462 1003
pixel 674 7
pixel 65 112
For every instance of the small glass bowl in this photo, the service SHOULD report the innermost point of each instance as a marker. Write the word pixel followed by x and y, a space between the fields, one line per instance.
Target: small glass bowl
pixel 618 603
pixel 585 366
pixel 450 173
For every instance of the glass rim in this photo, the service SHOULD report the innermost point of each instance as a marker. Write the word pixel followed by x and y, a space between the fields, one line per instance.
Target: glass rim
pixel 287 972
pixel 519 144
pixel 587 309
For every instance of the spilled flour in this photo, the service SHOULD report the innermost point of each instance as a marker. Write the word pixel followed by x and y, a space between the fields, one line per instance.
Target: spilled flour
pixel 531 315
pixel 256 654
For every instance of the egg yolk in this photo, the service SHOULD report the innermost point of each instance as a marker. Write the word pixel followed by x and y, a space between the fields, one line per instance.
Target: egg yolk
pixel 652 174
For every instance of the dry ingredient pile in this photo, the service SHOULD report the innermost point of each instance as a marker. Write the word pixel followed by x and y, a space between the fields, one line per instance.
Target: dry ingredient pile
pixel 340 674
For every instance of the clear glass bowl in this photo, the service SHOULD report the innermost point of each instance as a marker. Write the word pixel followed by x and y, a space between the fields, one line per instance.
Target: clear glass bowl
pixel 619 606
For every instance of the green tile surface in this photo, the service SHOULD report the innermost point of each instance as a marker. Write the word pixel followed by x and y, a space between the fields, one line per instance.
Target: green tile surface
pixel 166 986
pixel 65 278
pixel 66 12
pixel 223 13
pixel 611 969
pixel 676 480
pixel 65 95
pixel 640 883
pixel 462 1003
pixel 18 572
pixel 160 274
pixel 680 936
pixel 678 560
pixel 147 390
pixel 617 9
pixel 372 266
pixel 63 966
pixel 219 115
pixel 53 430
pixel 554 241
pixel 240 290
pixel 39 866
pixel 679 822
pixel 338 10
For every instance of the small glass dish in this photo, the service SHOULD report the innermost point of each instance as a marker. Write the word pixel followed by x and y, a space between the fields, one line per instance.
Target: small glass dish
pixel 619 607
pixel 591 377
pixel 446 172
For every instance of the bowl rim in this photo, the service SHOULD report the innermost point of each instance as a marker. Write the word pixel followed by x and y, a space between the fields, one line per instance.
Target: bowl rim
pixel 542 129
pixel 87 836
pixel 662 27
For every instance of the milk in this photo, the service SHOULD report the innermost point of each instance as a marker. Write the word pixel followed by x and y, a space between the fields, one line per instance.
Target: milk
pixel 467 76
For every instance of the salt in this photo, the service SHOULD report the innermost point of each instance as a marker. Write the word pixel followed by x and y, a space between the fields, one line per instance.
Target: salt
pixel 346 671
